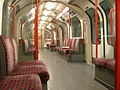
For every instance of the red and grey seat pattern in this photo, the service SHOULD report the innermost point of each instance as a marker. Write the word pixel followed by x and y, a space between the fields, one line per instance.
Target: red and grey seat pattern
pixel 105 62
pixel 21 82
pixel 13 66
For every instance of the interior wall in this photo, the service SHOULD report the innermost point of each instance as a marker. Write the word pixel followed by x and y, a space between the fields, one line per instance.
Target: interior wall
pixel 1 9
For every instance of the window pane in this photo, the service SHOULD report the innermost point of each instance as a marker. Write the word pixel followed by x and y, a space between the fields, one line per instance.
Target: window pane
pixel 107 7
pixel 91 13
pixel 76 27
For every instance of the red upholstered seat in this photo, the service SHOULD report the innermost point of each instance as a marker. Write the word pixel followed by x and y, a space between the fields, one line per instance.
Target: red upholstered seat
pixel 24 63
pixel 66 50
pixel 111 65
pixel 21 82
pixel 101 61
pixel 32 62
pixel 36 69
pixel 14 69
pixel 64 44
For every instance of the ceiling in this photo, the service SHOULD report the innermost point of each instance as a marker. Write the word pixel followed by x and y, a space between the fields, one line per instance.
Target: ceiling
pixel 48 11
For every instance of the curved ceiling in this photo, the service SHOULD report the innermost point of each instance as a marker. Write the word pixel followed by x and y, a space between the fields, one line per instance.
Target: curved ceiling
pixel 49 10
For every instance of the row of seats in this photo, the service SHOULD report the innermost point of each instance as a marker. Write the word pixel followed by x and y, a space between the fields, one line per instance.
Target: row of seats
pixel 65 45
pixel 105 62
pixel 71 45
pixel 72 49
pixel 75 46
pixel 16 75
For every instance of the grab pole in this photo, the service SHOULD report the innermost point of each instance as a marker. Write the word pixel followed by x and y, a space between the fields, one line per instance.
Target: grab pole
pixel 36 30
pixel 96 26
pixel 117 72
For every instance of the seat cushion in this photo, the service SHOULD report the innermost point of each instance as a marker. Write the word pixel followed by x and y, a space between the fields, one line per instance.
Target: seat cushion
pixel 32 62
pixel 34 69
pixel 101 61
pixel 21 82
pixel 111 65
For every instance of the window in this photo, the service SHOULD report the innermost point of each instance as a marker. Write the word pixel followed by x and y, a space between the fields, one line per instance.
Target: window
pixel 91 13
pixel 76 27
pixel 107 7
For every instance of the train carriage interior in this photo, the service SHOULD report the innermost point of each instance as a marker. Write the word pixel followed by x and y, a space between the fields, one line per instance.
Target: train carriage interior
pixel 58 45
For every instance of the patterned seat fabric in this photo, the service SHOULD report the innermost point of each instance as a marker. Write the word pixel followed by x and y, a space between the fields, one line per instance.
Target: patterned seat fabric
pixel 24 63
pixel 111 65
pixel 66 50
pixel 32 62
pixel 14 69
pixel 101 61
pixel 36 69
pixel 21 82
pixel 7 45
pixel 64 44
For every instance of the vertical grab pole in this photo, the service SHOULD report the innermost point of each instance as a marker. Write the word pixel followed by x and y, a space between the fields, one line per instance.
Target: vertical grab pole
pixel 111 27
pixel 69 34
pixel 83 32
pixel 21 28
pixel 36 31
pixel 117 81
pixel 96 26
pixel 57 33
pixel 14 20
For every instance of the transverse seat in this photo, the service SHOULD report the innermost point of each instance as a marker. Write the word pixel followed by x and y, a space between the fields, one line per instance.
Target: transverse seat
pixel 14 69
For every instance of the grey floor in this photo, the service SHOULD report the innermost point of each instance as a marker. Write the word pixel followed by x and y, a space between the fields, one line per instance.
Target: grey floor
pixel 69 76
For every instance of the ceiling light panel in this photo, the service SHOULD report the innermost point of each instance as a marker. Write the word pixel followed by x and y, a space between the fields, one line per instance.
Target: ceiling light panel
pixel 50 5
pixel 46 12
pixel 44 18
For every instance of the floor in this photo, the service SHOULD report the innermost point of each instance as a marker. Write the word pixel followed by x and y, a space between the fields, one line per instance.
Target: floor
pixel 69 75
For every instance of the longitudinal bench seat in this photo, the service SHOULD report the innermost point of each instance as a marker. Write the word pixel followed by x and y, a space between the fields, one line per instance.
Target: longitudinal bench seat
pixel 65 45
pixel 111 65
pixel 105 72
pixel 105 62
pixel 101 61
pixel 73 50
pixel 20 82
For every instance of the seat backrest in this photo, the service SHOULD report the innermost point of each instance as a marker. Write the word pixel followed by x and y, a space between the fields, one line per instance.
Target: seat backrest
pixel 15 49
pixel 67 42
pixel 80 46
pixel 8 53
pixel 64 42
pixel 76 44
pixel 2 60
pixel 72 43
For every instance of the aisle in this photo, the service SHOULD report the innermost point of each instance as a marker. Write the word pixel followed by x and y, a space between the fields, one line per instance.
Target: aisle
pixel 69 76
